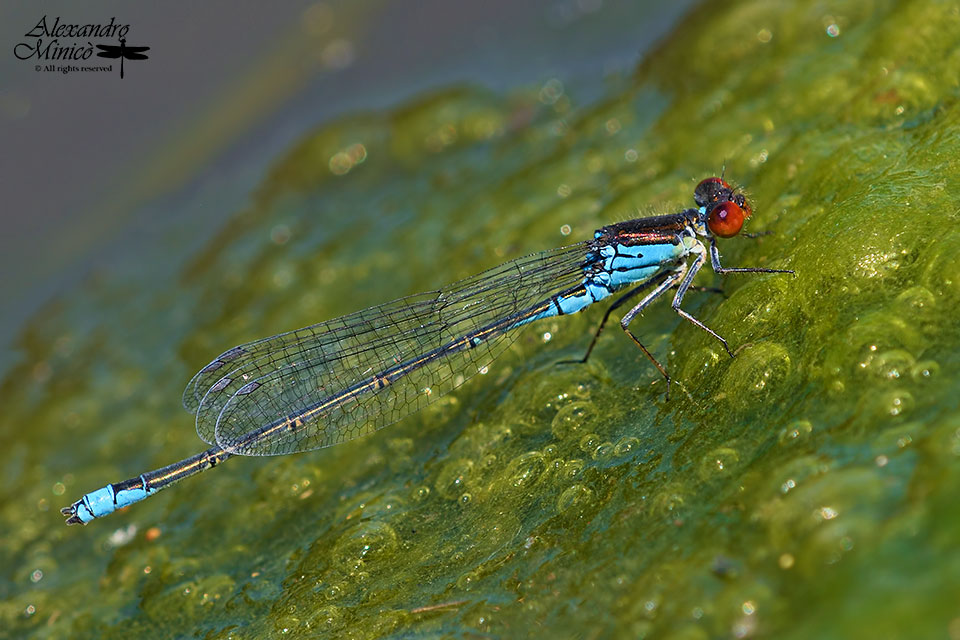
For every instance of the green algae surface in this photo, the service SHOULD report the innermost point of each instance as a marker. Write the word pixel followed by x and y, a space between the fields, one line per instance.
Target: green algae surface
pixel 805 488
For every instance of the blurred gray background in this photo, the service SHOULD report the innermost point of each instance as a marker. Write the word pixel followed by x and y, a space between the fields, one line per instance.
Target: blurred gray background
pixel 88 158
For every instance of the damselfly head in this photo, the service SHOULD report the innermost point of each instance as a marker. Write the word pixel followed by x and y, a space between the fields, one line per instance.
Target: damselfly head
pixel 725 209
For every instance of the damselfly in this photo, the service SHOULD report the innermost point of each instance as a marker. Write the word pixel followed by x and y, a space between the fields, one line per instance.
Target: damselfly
pixel 340 379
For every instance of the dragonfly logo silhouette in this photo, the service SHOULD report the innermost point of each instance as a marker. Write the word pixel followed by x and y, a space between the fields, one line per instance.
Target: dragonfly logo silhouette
pixel 123 52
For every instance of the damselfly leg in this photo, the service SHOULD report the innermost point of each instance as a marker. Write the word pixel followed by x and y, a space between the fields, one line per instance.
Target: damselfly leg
pixel 683 280
pixel 672 278
pixel 718 268
pixel 619 302
pixel 682 290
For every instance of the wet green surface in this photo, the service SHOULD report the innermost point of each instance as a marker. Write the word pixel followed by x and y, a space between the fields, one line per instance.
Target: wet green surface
pixel 805 489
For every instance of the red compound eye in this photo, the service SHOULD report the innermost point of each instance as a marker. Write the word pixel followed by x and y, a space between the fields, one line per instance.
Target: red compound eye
pixel 725 219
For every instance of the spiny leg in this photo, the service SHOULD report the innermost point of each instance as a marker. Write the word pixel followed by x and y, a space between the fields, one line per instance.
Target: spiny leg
pixel 669 281
pixel 617 303
pixel 682 290
pixel 685 275
pixel 718 268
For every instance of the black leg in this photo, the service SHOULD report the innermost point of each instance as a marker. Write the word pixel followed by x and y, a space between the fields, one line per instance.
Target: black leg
pixel 672 278
pixel 682 290
pixel 618 303
pixel 718 268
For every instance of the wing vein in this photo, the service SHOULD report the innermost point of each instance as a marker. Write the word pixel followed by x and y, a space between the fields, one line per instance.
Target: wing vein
pixel 336 380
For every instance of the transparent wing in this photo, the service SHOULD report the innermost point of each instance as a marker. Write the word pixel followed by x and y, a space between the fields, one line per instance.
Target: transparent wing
pixel 260 383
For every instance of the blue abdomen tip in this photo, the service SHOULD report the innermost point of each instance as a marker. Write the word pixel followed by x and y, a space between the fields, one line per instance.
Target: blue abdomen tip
pixel 99 502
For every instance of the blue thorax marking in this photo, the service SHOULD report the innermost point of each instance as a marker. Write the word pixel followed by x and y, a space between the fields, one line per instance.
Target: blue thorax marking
pixel 609 268
pixel 629 264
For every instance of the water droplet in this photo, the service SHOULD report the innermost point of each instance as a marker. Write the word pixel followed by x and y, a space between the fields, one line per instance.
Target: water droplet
pixel 328 618
pixel 668 501
pixel 572 469
pixel 453 478
pixel 574 500
pixel 918 302
pixel 603 451
pixel 925 370
pixel 872 335
pixel 365 542
pixel 334 591
pixel 757 372
pixel 893 404
pixel 589 442
pixel 796 431
pixel 626 446
pixel 722 461
pixel 891 364
pixel 572 419
pixel 524 470
pixel 468 580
